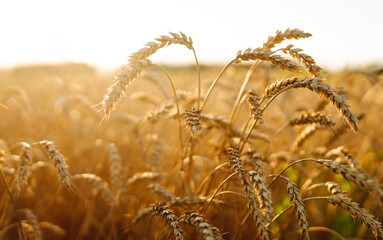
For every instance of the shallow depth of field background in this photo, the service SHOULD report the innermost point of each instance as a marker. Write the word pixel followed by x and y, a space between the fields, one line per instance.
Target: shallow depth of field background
pixel 56 65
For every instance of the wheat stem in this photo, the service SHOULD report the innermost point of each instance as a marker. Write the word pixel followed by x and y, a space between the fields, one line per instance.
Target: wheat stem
pixel 248 76
pixel 13 204
pixel 199 78
pixel 178 109
pixel 215 82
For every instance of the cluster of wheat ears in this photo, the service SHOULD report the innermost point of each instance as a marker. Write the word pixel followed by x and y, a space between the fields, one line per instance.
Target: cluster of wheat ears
pixel 213 164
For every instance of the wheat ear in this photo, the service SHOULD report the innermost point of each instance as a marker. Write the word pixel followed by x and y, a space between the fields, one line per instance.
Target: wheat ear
pixel 268 56
pixel 137 64
pixel 192 120
pixel 305 134
pixel 357 212
pixel 304 59
pixel 53 228
pixel 281 36
pixel 312 117
pixel 342 153
pixel 234 159
pixel 33 221
pixel 99 184
pixel 254 106
pixel 115 166
pixel 322 89
pixel 258 179
pixel 24 167
pixel 162 191
pixel 299 207
pixel 59 161
pixel 207 231
pixel 171 219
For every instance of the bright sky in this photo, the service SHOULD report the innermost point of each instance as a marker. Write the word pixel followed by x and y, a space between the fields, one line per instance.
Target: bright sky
pixel 104 33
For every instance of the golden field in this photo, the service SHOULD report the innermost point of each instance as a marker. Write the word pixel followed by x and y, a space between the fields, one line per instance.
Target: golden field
pixel 80 163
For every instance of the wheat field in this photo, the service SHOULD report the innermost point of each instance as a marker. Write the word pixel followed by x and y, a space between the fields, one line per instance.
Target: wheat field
pixel 269 146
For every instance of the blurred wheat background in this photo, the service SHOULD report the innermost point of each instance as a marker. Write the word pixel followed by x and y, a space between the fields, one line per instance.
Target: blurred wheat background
pixel 260 143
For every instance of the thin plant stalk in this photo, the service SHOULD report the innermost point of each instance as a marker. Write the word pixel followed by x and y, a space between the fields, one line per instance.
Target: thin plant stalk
pixel 249 74
pixel 208 176
pixel 13 204
pixel 290 165
pixel 217 189
pixel 199 79
pixel 178 108
pixel 214 83
pixel 255 122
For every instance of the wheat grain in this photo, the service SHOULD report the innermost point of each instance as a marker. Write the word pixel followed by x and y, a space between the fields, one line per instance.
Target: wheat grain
pixel 233 157
pixel 287 34
pixel 24 167
pixel 33 221
pixel 318 86
pixel 359 178
pixel 115 166
pixel 192 120
pixel 171 219
pixel 178 201
pixel 58 160
pixel 304 59
pixel 137 64
pixel 305 134
pixel 333 188
pixel 343 156
pixel 144 177
pixel 162 191
pixel 207 231
pixel 268 56
pixel 357 212
pixel 53 228
pixel 99 184
pixel 254 106
pixel 312 117
pixel 258 179
pixel 29 231
pixel 299 207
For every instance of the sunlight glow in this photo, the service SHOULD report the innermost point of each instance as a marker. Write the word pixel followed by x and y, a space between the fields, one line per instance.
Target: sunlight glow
pixel 104 34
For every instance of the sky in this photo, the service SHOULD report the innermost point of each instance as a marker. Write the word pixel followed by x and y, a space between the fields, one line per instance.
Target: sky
pixel 104 33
